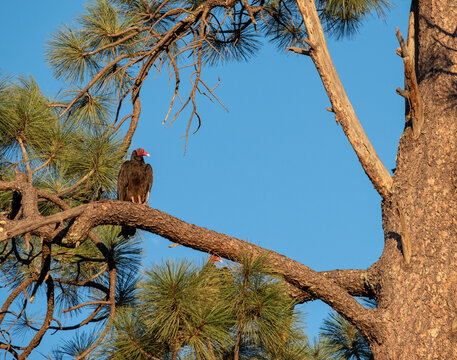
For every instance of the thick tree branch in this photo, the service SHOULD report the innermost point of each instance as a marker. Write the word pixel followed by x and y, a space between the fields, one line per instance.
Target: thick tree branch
pixel 336 288
pixel 344 112
pixel 354 281
pixel 323 286
pixel 20 227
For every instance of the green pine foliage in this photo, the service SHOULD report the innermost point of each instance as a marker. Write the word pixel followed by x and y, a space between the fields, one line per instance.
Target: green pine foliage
pixel 344 17
pixel 189 312
pixel 343 340
pixel 319 350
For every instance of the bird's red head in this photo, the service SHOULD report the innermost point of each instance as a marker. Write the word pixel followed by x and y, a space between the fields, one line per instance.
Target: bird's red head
pixel 214 258
pixel 141 152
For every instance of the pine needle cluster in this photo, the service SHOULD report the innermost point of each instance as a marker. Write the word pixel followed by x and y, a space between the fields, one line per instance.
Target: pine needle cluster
pixel 189 312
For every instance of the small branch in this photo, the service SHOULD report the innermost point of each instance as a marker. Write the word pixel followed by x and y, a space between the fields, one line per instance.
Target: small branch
pixel 135 31
pixel 415 102
pixel 26 159
pixel 45 163
pixel 86 304
pixel 317 285
pixel 298 50
pixel 344 112
pixel 76 184
pixel 10 349
pixel 50 303
pixel 93 81
pixel 177 83
pixel 401 92
pixel 311 44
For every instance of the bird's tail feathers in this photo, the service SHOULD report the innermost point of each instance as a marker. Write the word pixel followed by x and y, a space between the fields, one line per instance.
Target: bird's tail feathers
pixel 127 231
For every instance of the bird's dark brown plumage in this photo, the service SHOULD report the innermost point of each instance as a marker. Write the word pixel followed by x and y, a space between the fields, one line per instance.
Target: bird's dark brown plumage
pixel 134 183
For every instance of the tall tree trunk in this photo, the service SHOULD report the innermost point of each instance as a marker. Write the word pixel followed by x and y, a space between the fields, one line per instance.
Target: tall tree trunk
pixel 418 301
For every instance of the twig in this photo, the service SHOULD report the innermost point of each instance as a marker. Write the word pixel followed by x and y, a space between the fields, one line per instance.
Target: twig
pixel 26 159
pixel 76 184
pixel 86 304
pixel 177 83
pixel 403 93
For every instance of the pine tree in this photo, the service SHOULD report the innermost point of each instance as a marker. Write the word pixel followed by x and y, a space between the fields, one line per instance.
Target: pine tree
pixel 59 159
pixel 207 313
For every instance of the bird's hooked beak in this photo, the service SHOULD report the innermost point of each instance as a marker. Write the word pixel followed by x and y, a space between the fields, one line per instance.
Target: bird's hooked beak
pixel 141 152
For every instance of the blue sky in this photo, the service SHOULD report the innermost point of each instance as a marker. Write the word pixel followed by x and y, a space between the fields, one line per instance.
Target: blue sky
pixel 275 170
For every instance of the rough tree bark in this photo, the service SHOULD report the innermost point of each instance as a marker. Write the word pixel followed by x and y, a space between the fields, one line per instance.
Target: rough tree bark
pixel 418 302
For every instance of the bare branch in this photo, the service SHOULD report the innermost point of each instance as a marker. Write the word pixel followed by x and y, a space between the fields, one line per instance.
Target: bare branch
pixel 298 50
pixel 414 99
pixel 344 112
pixel 401 92
pixel 26 158
pixel 86 304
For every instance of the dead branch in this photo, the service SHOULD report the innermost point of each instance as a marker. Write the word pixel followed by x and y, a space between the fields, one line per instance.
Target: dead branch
pixel 403 93
pixel 26 158
pixel 13 296
pixel 344 112
pixel 76 184
pixel 89 303
pixel 9 348
pixel 414 99
pixel 298 50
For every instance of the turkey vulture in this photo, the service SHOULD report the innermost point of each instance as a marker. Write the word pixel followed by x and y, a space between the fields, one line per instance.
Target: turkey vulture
pixel 134 183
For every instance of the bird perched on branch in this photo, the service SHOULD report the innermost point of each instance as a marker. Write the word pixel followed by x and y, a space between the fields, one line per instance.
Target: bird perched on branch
pixel 134 183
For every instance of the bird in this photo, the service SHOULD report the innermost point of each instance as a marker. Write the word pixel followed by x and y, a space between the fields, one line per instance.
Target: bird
pixel 134 183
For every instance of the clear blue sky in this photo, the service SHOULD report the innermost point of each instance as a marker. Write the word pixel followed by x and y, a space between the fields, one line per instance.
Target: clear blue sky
pixel 275 170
